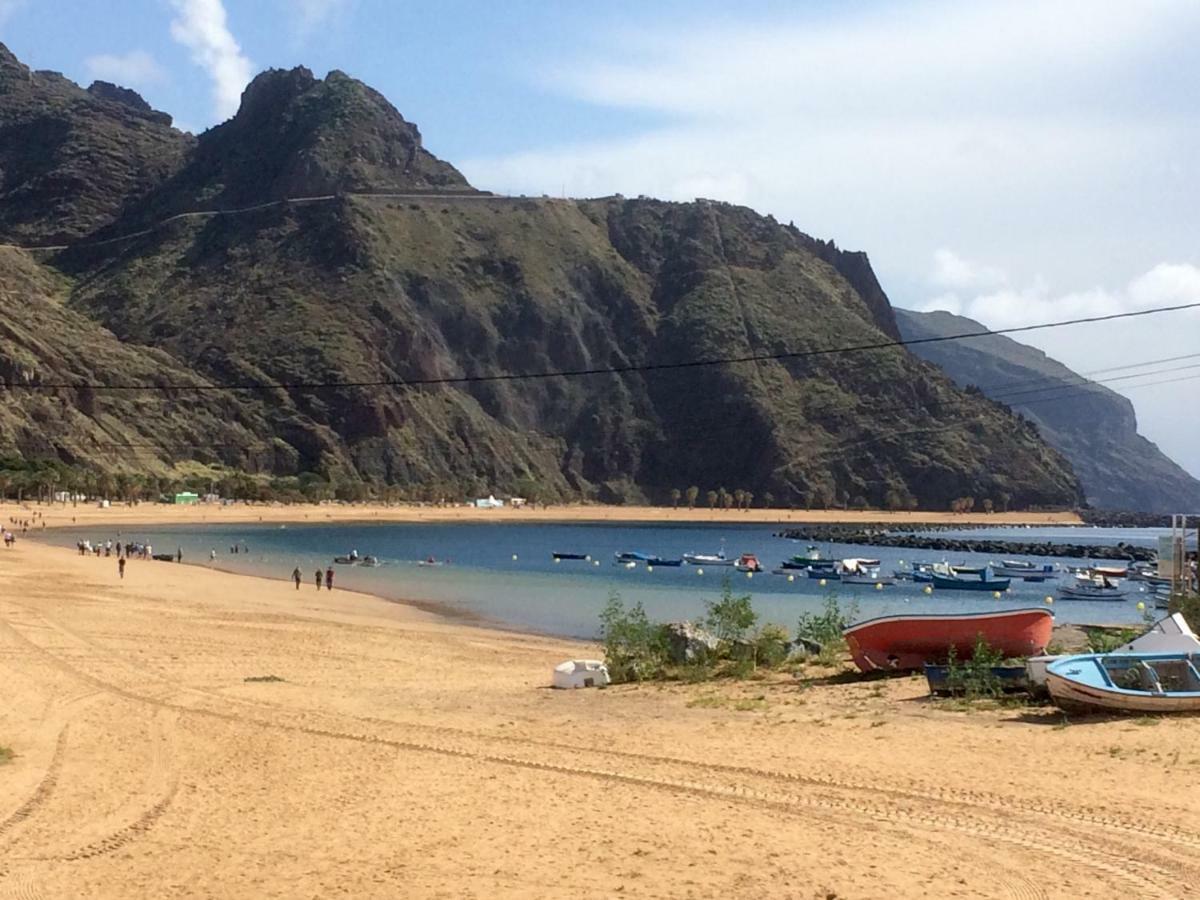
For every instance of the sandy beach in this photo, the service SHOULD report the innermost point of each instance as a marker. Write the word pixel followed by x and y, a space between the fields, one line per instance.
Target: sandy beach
pixel 58 514
pixel 190 733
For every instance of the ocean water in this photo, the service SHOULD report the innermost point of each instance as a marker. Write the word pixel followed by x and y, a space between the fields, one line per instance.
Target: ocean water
pixel 504 574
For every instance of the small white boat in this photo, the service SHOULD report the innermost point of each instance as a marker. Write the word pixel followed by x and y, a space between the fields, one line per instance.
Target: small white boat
pixel 1085 588
pixel 707 559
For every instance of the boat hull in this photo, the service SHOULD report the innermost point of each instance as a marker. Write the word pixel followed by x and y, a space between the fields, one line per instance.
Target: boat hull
pixel 1087 682
pixel 1069 593
pixel 945 583
pixel 910 641
pixel 1011 678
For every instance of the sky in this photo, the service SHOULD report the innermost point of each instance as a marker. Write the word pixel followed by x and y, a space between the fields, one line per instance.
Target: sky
pixel 1016 161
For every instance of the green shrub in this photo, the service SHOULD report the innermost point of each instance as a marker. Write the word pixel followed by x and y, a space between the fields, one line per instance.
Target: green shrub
pixel 634 647
pixel 770 646
pixel 1106 640
pixel 730 617
pixel 973 678
pixel 826 629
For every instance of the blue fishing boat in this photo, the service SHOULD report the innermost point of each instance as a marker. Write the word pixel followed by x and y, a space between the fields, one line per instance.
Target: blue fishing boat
pixel 624 556
pixel 1011 678
pixel 1127 682
pixel 978 582
pixel 659 561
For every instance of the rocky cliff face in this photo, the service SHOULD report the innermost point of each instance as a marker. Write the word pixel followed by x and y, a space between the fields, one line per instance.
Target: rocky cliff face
pixel 1094 427
pixel 72 161
pixel 376 336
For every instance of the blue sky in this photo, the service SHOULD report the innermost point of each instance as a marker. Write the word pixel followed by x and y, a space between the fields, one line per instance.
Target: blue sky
pixel 1014 160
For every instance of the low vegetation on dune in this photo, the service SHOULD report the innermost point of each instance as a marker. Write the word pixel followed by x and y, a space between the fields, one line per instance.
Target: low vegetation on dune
pixel 728 641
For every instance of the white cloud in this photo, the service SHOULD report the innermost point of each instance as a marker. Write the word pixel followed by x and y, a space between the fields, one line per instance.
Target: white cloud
pixel 202 26
pixel 898 128
pixel 1091 347
pixel 1054 138
pixel 955 273
pixel 134 69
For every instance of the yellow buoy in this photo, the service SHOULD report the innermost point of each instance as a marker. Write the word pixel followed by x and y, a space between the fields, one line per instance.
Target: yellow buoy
pixel 1049 599
pixel 821 582
pixel 1141 606
pixel 557 560
pixel 595 562
pixel 699 571
pixel 514 557
pixel 749 574
pixel 649 568
pixel 879 585
pixel 928 589
pixel 791 578
pixel 996 595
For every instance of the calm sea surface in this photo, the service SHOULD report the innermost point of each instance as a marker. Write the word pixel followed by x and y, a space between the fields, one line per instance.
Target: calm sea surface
pixel 504 574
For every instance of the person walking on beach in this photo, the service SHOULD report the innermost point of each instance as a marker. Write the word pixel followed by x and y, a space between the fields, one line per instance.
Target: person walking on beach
pixel 296 577
pixel 179 555
pixel 320 578
pixel 121 566
pixel 329 579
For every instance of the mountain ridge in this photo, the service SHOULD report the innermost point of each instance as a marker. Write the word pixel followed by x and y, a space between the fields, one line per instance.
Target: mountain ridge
pixel 1092 425
pixel 373 289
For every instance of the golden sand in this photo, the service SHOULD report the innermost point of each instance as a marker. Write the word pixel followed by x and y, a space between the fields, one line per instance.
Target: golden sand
pixel 401 755
pixel 88 513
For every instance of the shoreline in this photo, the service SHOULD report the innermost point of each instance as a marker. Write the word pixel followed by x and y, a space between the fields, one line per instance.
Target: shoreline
pixel 57 515
pixel 173 730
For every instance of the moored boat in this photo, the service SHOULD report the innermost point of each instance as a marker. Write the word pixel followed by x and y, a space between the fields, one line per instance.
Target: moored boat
pixel 978 582
pixel 707 559
pixel 623 556
pixel 1127 682
pixel 748 562
pixel 1091 589
pixel 571 556
pixel 1026 571
pixel 668 563
pixel 909 641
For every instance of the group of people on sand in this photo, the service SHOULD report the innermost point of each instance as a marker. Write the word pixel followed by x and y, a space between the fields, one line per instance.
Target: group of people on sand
pixel 23 524
pixel 322 578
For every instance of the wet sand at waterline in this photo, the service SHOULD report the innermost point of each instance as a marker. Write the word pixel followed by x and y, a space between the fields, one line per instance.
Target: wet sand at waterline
pixel 400 754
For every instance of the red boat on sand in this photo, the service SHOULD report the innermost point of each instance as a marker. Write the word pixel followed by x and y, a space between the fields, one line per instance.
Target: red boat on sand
pixel 910 641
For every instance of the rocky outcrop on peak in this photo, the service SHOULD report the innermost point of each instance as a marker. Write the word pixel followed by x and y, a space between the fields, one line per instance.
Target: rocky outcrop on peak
pixel 72 161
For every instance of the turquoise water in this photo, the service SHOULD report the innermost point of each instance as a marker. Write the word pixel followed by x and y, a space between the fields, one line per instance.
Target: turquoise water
pixel 482 580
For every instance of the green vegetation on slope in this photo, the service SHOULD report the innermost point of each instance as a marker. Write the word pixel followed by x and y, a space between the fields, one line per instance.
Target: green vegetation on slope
pixel 409 289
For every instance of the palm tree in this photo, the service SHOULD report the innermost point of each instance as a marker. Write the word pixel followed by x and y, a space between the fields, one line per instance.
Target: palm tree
pixel 747 499
pixel 712 497
pixel 675 495
pixel 768 500
pixel 692 493
pixel 739 498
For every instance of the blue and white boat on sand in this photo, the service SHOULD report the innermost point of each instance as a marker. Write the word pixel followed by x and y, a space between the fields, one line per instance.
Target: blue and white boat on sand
pixel 1127 682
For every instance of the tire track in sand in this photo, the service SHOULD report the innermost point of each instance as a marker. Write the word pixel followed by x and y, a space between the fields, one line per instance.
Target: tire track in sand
pixel 1150 878
pixel 916 791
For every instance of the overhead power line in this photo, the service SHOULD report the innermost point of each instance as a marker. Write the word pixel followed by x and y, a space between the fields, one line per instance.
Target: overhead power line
pixel 631 368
